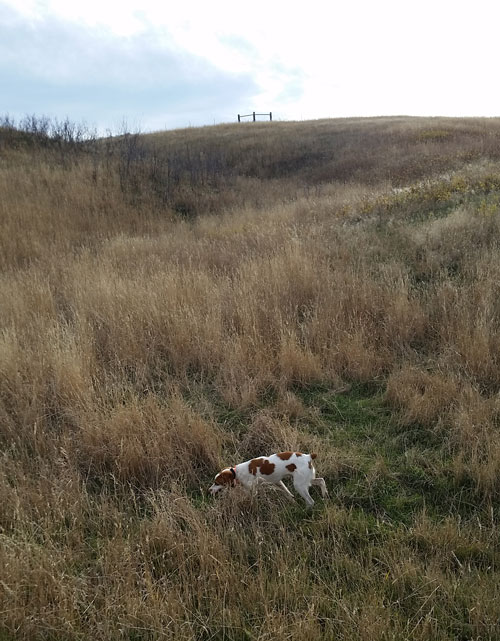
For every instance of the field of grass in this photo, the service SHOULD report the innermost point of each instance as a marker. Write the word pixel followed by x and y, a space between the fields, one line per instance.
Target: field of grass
pixel 176 302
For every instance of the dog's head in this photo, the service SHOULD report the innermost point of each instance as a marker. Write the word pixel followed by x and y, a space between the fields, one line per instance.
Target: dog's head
pixel 225 478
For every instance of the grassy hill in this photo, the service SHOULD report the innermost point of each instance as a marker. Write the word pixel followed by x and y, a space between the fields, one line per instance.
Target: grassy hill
pixel 175 302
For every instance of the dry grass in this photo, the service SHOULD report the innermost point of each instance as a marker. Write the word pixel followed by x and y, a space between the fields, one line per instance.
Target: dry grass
pixel 178 302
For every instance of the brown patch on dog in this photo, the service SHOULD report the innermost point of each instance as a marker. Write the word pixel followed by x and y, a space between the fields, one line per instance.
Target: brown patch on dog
pixel 264 465
pixel 224 478
pixel 284 456
pixel 292 467
pixel 267 468
pixel 298 453
pixel 254 464
pixel 314 455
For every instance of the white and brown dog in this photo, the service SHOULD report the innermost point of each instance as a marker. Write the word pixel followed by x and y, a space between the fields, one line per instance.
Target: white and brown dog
pixel 273 469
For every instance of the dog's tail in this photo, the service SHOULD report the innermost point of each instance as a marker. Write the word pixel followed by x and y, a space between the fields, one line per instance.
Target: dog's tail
pixel 313 456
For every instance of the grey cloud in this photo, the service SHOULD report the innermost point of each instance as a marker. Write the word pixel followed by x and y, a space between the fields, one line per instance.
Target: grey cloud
pixel 56 68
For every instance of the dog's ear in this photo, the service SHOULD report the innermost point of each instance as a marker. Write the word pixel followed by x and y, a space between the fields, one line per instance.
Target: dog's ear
pixel 224 478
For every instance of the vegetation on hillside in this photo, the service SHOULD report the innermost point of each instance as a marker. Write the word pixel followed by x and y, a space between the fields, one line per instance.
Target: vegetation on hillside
pixel 175 302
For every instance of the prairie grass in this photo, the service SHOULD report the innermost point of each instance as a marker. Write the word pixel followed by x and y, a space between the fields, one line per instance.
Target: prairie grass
pixel 176 302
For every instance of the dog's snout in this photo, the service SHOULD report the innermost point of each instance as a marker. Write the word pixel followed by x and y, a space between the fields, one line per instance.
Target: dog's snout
pixel 213 489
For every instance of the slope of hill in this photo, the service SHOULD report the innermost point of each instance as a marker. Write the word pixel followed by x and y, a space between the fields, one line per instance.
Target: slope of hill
pixel 179 301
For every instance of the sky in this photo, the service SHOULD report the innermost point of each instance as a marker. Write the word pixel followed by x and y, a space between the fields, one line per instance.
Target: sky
pixel 154 65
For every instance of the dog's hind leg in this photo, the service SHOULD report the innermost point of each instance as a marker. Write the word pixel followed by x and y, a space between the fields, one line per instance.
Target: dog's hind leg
pixel 302 487
pixel 322 485
pixel 286 490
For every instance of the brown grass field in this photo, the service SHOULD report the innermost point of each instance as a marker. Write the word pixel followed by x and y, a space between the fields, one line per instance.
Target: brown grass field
pixel 176 302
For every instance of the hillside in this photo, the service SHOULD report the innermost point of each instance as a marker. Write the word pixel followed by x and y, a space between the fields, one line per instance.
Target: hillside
pixel 176 302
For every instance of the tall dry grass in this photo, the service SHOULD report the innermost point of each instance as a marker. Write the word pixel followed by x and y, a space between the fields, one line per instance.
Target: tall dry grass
pixel 149 337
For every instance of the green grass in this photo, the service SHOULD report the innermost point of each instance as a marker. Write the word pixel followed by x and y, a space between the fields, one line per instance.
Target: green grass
pixel 385 470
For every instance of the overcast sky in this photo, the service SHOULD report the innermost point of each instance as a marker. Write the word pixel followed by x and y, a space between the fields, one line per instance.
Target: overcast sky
pixel 177 63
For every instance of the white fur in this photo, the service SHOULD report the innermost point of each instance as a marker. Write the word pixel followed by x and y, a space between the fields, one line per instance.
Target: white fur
pixel 303 476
